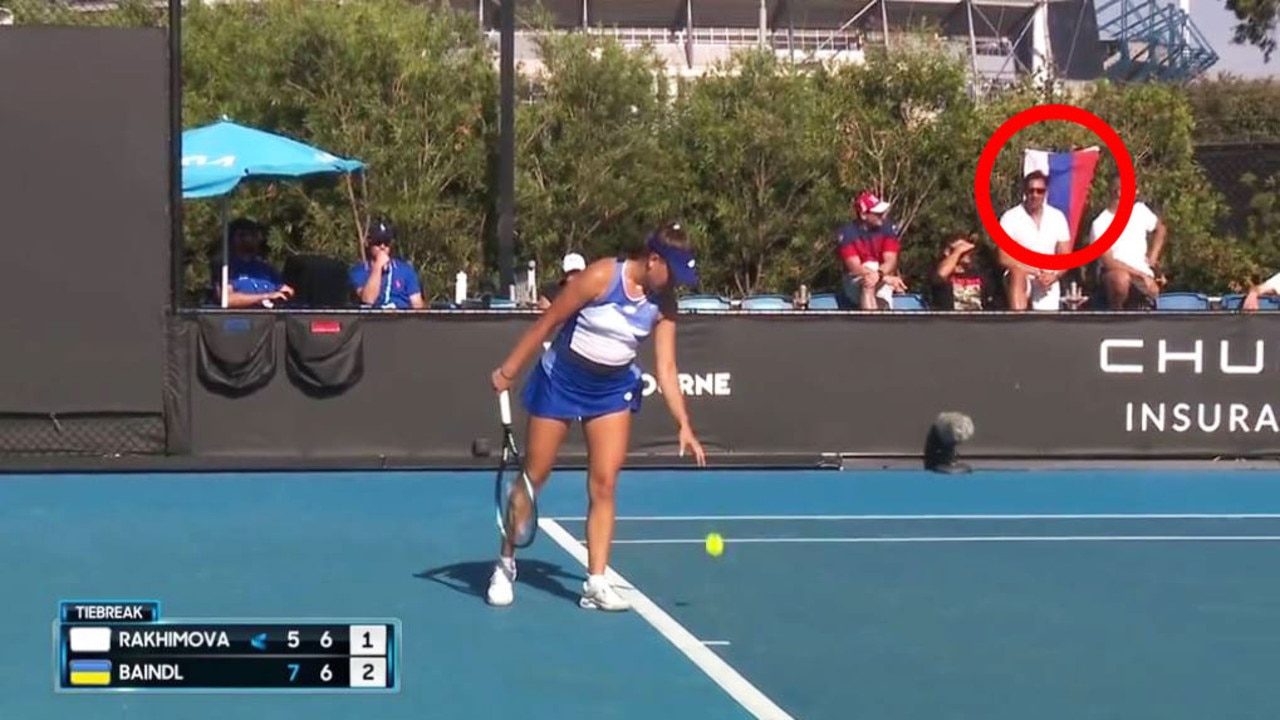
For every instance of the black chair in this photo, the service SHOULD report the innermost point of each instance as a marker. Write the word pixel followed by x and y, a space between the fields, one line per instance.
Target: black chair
pixel 318 281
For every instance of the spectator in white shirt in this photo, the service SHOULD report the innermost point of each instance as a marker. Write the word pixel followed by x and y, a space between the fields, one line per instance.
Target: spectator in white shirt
pixel 1042 228
pixel 1131 264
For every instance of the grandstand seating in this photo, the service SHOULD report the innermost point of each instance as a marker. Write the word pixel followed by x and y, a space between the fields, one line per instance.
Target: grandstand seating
pixel 703 302
pixel 1236 301
pixel 909 301
pixel 824 301
pixel 767 302
pixel 1182 301
pixel 902 302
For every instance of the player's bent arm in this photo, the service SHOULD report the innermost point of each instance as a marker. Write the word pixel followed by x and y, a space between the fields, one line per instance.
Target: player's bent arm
pixel 665 370
pixel 852 264
pixel 890 264
pixel 1270 287
pixel 1066 243
pixel 591 283
pixel 368 292
pixel 947 267
pixel 237 299
pixel 1157 242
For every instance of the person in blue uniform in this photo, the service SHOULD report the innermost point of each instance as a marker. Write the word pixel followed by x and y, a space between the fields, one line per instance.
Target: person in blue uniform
pixel 252 281
pixel 589 374
pixel 384 282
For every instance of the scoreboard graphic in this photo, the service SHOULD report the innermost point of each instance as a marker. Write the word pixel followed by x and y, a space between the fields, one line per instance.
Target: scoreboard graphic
pixel 126 646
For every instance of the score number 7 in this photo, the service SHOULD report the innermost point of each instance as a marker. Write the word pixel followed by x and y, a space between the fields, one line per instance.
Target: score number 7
pixel 325 673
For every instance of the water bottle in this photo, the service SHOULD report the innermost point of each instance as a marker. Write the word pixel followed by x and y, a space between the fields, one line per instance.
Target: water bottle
pixel 459 288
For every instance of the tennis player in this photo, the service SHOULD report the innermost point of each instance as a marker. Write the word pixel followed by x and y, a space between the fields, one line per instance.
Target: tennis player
pixel 589 374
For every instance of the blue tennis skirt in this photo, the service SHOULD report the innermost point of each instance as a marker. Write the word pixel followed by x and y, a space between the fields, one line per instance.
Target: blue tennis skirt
pixel 562 387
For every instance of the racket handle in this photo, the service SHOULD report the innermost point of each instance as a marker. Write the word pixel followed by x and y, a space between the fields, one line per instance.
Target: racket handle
pixel 504 406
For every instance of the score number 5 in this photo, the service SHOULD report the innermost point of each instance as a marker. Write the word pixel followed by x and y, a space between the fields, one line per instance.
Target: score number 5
pixel 326 640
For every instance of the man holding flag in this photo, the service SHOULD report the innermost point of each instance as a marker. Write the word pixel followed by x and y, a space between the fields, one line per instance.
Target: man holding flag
pixel 1042 228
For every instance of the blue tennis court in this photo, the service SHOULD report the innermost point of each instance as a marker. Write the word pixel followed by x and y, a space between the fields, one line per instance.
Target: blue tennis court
pixel 888 594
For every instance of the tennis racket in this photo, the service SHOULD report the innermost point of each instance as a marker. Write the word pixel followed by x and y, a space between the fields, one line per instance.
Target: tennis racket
pixel 517 508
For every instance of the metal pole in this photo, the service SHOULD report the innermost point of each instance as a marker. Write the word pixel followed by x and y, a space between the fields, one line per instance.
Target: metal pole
pixel 884 21
pixel 177 271
pixel 973 46
pixel 507 146
pixel 791 31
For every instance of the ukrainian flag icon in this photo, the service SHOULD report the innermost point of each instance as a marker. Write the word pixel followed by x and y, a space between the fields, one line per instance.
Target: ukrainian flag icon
pixel 90 672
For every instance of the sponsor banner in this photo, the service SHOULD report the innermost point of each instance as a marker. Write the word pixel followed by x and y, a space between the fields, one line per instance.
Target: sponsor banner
pixel 1070 385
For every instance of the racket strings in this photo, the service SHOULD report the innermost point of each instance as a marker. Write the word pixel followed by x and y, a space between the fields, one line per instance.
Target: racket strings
pixel 519 507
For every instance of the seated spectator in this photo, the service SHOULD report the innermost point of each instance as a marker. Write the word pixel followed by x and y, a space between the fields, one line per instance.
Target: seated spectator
pixel 961 282
pixel 868 247
pixel 1129 270
pixel 1270 287
pixel 382 281
pixel 1040 227
pixel 572 264
pixel 253 281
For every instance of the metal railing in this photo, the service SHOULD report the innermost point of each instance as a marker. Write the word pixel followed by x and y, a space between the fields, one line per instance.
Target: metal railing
pixel 1152 41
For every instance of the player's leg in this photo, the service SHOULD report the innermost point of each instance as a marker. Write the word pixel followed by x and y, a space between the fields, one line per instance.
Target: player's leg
pixel 1117 284
pixel 544 437
pixel 607 439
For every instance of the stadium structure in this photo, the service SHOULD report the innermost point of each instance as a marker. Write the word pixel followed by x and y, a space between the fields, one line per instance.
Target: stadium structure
pixel 1003 41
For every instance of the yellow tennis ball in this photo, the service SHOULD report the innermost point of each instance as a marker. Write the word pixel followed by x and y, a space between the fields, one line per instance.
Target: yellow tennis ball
pixel 715 544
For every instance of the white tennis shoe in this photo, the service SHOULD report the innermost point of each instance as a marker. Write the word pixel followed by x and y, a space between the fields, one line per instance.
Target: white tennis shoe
pixel 598 594
pixel 502 589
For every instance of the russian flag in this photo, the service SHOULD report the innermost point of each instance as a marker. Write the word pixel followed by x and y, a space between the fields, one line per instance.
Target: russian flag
pixel 1070 175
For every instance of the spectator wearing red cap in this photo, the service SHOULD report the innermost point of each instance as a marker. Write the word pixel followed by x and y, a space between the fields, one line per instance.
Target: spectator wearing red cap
pixel 868 246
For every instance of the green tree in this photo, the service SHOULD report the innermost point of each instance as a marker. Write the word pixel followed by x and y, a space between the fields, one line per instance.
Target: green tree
pixel 406 88
pixel 1257 24
pixel 760 158
pixel 758 142
pixel 910 131
pixel 1233 109
pixel 593 174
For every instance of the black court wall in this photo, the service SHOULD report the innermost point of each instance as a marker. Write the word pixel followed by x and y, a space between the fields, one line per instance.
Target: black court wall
pixel 84 133
pixel 415 386
pixel 84 195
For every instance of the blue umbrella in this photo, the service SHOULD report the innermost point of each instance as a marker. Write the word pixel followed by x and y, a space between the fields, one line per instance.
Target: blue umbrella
pixel 217 158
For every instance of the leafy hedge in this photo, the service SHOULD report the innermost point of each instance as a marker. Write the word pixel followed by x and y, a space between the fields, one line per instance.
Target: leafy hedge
pixel 760 159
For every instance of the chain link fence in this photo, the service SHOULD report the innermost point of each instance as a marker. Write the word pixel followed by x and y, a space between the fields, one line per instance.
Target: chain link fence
pixel 84 13
pixel 81 434
pixel 1246 173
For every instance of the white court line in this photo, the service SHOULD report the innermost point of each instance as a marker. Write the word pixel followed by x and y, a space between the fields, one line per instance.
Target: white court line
pixel 963 539
pixel 1056 516
pixel 716 642
pixel 717 669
